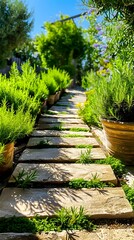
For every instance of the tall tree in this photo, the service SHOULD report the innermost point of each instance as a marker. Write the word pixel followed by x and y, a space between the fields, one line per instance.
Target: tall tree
pixel 15 25
pixel 61 43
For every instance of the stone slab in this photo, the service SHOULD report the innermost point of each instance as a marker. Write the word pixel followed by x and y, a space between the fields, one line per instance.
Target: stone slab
pixel 97 203
pixel 58 154
pixel 63 126
pixel 65 103
pixel 99 234
pixel 60 120
pixel 55 133
pixel 62 109
pixel 61 141
pixel 63 116
pixel 55 173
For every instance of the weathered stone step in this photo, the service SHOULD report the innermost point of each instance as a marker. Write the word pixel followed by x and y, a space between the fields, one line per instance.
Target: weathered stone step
pixel 66 103
pixel 58 154
pixel 64 126
pixel 56 173
pixel 58 116
pixel 61 142
pixel 55 133
pixel 124 232
pixel 60 120
pixel 97 203
pixel 62 109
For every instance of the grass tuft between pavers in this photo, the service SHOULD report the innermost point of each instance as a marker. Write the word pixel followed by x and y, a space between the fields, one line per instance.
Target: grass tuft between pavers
pixel 65 219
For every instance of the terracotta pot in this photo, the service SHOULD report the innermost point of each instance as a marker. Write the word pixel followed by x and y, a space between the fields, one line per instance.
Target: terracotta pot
pixel 51 99
pixel 120 140
pixel 44 106
pixel 57 96
pixel 7 156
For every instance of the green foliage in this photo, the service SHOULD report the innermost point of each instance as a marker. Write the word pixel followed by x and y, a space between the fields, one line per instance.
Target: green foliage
pixel 51 84
pixel 70 135
pixel 15 25
pixel 61 77
pixel 113 94
pixel 44 143
pixel 24 178
pixel 82 146
pixel 25 89
pixel 122 9
pixel 120 41
pixel 1 153
pixel 87 112
pixel 18 225
pixel 29 81
pixel 79 129
pixel 62 42
pixel 116 164
pixel 93 54
pixel 95 182
pixel 129 194
pixel 17 97
pixel 55 79
pixel 49 112
pixel 14 125
pixel 85 156
pixel 65 219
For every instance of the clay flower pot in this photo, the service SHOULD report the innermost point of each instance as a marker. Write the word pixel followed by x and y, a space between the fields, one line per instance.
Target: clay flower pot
pixel 43 107
pixel 57 96
pixel 51 99
pixel 7 156
pixel 120 139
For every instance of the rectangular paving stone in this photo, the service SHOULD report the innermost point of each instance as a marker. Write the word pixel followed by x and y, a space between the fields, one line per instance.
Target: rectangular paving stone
pixel 55 173
pixel 61 142
pixel 63 116
pixel 60 120
pixel 58 154
pixel 65 103
pixel 97 203
pixel 55 133
pixel 63 126
pixel 62 109
pixel 103 233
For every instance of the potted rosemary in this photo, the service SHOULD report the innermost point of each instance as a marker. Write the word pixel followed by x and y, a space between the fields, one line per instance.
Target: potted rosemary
pixel 13 126
pixel 112 102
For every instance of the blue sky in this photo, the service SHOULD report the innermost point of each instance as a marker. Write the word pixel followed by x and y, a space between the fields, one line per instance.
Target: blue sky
pixel 49 10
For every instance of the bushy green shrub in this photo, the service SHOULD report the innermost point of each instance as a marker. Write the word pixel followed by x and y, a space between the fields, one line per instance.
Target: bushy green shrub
pixel 61 77
pixel 18 98
pixel 113 94
pixel 14 125
pixel 50 82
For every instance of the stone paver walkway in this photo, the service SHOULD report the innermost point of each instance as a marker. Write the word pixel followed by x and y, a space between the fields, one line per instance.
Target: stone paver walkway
pixel 53 150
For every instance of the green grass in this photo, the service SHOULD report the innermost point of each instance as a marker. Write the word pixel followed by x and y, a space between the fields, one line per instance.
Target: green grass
pixel 24 178
pixel 65 219
pixel 95 182
pixel 116 164
pixel 63 112
pixel 60 105
pixel 44 143
pixel 129 191
pixel 79 129
pixel 85 157
pixel 73 135
pixel 49 112
pixel 58 128
pixel 83 146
